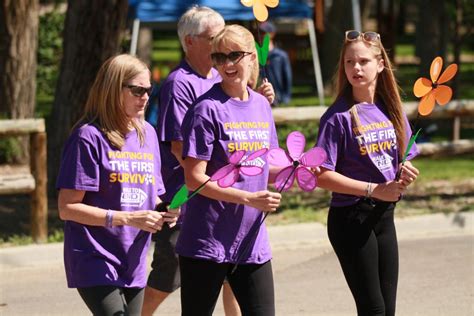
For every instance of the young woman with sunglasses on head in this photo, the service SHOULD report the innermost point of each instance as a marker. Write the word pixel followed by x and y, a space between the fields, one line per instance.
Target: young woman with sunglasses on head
pixel 220 221
pixel 365 133
pixel 109 182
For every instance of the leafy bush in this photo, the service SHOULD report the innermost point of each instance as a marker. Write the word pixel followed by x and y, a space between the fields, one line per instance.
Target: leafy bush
pixel 10 149
pixel 49 55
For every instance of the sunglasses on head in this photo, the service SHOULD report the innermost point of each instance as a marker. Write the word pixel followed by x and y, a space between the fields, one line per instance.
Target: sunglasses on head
pixel 234 57
pixel 139 91
pixel 369 37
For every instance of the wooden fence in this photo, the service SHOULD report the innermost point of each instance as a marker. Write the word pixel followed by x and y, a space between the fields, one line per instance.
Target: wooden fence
pixel 455 110
pixel 34 182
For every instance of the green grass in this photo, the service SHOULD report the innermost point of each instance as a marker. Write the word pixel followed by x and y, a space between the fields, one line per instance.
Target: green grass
pixel 445 168
pixel 162 56
pixel 405 50
pixel 167 43
pixel 297 206
pixel 57 235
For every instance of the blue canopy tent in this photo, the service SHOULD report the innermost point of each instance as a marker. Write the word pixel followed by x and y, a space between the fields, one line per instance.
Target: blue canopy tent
pixel 156 11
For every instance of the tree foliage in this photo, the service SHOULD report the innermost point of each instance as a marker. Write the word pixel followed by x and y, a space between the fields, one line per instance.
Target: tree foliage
pixel 49 51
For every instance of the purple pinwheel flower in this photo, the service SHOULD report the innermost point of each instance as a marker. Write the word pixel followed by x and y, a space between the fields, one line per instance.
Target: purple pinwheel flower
pixel 296 163
pixel 228 175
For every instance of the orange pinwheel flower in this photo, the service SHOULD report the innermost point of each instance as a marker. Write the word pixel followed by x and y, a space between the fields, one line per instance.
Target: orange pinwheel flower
pixel 432 90
pixel 260 7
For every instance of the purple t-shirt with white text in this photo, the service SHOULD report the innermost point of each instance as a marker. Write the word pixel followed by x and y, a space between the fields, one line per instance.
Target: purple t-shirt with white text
pixel 180 89
pixel 371 156
pixel 213 129
pixel 120 180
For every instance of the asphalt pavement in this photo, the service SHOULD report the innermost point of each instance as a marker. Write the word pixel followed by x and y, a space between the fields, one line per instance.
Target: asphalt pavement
pixel 436 272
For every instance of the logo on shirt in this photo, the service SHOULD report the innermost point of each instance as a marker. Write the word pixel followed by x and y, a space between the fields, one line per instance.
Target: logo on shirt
pixel 248 135
pixel 133 197
pixel 383 162
pixel 257 162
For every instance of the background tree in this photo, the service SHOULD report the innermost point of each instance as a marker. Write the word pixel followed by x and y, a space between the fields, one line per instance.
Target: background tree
pixel 18 44
pixel 92 33
pixel 432 31
pixel 387 16
pixel 338 20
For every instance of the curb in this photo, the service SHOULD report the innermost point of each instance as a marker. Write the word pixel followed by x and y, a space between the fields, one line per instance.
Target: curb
pixel 282 237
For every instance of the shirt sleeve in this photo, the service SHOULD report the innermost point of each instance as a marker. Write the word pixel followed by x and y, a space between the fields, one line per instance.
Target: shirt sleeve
pixel 330 139
pixel 79 168
pixel 175 100
pixel 159 178
pixel 198 132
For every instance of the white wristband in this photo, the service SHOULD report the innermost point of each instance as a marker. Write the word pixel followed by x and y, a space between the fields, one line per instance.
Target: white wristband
pixel 109 218
pixel 369 190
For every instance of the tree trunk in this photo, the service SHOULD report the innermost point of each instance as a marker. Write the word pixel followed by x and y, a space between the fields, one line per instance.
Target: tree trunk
pixel 145 44
pixel 18 45
pixel 387 11
pixel 339 20
pixel 457 45
pixel 93 31
pixel 430 38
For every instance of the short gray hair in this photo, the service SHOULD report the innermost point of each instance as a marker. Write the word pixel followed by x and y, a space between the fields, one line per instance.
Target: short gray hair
pixel 195 20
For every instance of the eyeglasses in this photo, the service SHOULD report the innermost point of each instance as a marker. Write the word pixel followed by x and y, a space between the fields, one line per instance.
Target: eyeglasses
pixel 234 57
pixel 139 91
pixel 206 37
pixel 369 37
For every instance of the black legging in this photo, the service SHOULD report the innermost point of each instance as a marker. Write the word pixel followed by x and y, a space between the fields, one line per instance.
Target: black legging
pixel 365 243
pixel 201 282
pixel 112 300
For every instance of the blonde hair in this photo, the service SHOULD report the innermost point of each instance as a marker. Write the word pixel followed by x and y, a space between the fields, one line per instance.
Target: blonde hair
pixel 104 107
pixel 386 91
pixel 237 34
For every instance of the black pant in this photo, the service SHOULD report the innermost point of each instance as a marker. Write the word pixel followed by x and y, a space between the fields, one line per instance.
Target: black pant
pixel 201 282
pixel 112 300
pixel 365 241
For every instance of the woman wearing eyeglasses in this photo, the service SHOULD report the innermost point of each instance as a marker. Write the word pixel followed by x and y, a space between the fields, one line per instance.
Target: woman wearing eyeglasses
pixel 220 221
pixel 109 182
pixel 365 133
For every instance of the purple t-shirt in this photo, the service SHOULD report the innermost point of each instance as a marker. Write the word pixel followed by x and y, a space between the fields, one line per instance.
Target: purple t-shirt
pixel 180 89
pixel 120 180
pixel 213 129
pixel 371 156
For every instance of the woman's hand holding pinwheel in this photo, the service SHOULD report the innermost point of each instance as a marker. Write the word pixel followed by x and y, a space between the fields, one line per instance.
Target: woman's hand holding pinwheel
pixel 408 173
pixel 171 216
pixel 266 89
pixel 390 191
pixel 265 200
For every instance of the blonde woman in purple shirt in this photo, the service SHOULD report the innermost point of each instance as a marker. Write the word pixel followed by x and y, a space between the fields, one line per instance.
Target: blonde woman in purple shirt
pixel 365 134
pixel 220 222
pixel 109 182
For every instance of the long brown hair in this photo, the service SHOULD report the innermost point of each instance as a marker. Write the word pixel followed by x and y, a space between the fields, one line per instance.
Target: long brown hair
pixel 237 34
pixel 104 106
pixel 387 90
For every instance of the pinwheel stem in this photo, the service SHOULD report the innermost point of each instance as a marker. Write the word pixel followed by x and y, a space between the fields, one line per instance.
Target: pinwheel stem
pixel 295 165
pixel 413 138
pixel 255 232
pixel 259 37
pixel 199 188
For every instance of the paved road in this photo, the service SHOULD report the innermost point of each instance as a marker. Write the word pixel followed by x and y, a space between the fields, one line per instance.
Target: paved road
pixel 436 273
